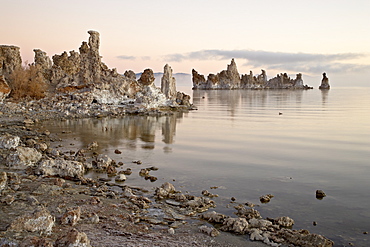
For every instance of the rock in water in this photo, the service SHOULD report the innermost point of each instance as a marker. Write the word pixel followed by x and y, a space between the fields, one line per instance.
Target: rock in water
pixel 324 82
pixel 168 83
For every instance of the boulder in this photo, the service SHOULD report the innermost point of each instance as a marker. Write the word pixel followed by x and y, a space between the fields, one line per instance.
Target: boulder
pixel 71 217
pixel 73 238
pixel 23 156
pixel 8 141
pixel 235 225
pixel 60 167
pixel 284 221
pixel 40 221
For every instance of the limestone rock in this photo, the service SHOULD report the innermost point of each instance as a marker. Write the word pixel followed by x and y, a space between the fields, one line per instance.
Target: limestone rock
pixel 8 141
pixel 73 238
pixel 23 156
pixel 10 60
pixel 168 83
pixel 302 238
pixel 130 74
pixel 320 194
pixel 266 198
pixel 4 88
pixel 33 241
pixel 40 221
pixel 71 217
pixel 198 80
pixel 61 167
pixel 259 223
pixel 324 82
pixel 147 77
pixel 120 178
pixel 230 79
pixel 248 213
pixel 235 225
pixel 214 217
pixel 284 221
pixel 102 162
pixel 211 231
pixel 42 60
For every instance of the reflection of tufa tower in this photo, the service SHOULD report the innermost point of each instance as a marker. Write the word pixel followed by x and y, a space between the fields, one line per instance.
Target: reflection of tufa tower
pixel 324 82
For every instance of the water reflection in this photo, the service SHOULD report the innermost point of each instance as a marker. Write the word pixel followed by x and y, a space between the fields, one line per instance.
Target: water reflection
pixel 233 99
pixel 128 132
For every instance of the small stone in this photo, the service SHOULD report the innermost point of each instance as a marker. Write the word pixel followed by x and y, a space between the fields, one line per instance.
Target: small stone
pixel 120 178
pixel 117 151
pixel 171 231
pixel 266 198
pixel 233 199
pixel 92 145
pixel 71 217
pixel 144 172
pixel 314 223
pixel 320 194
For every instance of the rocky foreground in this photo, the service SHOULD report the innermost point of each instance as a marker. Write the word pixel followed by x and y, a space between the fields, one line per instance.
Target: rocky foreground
pixel 47 201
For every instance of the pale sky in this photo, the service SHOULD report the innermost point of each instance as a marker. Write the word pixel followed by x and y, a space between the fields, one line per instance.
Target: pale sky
pixel 307 37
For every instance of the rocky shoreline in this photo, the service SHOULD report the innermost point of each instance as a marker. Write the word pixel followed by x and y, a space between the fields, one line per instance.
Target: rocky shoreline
pixel 47 201
pixel 45 197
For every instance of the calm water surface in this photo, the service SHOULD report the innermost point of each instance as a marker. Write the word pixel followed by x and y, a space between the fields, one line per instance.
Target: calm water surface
pixel 237 140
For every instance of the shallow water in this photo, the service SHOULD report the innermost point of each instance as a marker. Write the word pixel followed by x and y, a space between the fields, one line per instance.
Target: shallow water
pixel 237 140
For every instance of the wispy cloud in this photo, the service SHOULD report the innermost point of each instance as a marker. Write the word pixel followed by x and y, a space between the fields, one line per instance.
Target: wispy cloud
pixel 298 62
pixel 124 57
pixel 132 58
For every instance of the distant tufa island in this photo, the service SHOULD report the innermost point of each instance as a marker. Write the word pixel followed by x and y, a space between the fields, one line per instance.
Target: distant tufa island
pixel 230 79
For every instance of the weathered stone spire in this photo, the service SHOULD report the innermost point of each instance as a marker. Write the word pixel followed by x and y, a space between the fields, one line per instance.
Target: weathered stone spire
pixel 168 83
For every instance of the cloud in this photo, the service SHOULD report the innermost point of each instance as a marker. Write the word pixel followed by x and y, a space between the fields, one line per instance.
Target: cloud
pixel 124 57
pixel 299 62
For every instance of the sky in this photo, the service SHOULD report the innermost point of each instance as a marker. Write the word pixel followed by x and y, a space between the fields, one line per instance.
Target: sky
pixel 308 37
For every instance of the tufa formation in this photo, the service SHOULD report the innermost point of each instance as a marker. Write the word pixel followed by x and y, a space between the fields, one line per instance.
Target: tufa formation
pixel 83 73
pixel 231 79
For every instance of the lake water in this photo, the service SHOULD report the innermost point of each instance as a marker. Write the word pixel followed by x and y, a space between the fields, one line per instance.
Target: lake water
pixel 238 141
